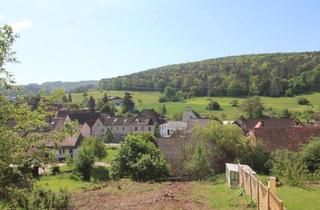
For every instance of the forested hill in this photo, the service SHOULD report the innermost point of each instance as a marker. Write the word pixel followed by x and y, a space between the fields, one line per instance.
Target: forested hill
pixel 50 86
pixel 275 74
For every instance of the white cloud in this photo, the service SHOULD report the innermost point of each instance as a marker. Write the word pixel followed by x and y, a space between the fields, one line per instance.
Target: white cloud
pixel 21 25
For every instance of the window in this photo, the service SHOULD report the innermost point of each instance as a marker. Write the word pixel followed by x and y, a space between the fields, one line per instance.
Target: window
pixel 150 129
pixel 135 128
pixel 98 124
pixel 117 128
pixel 122 128
pixel 63 151
pixel 102 130
pixel 111 128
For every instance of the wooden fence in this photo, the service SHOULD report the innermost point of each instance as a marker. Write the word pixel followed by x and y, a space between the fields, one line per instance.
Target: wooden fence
pixel 262 195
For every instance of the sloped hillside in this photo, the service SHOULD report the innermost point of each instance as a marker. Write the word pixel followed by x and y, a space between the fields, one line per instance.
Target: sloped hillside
pixel 274 74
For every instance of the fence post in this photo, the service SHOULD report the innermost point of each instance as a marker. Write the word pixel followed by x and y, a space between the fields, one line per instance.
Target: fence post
pixel 258 199
pixel 250 184
pixel 281 205
pixel 268 201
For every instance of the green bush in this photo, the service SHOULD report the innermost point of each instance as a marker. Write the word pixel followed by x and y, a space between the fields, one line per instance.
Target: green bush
pixel 55 169
pixel 37 199
pixel 302 101
pixel 213 105
pixel 90 149
pixel 199 167
pixel 257 157
pixel 311 154
pixel 289 166
pixel 139 158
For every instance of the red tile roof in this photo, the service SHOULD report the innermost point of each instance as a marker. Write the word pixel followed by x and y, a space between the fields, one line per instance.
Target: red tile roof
pixel 285 138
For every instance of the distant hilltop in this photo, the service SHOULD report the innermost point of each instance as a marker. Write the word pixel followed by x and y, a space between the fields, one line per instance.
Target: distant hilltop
pixel 48 87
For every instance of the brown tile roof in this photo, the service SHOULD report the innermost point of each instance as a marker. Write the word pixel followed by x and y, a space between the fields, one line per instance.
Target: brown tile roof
pixel 69 142
pixel 82 116
pixel 285 138
pixel 152 114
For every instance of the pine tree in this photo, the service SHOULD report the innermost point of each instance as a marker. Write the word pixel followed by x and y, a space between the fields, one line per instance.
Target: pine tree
pixel 70 97
pixel 92 103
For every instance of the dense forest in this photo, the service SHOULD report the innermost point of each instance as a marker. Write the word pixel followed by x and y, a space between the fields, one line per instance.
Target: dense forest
pixel 275 74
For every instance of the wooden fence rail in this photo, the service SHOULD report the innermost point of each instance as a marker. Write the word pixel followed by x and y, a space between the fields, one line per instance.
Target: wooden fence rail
pixel 262 195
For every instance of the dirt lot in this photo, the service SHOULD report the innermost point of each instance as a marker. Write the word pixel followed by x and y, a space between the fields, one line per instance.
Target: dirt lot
pixel 123 195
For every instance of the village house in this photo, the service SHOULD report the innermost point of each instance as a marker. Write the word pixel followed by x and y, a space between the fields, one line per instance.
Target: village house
pixel 278 133
pixel 248 125
pixel 190 119
pixel 68 147
pixel 145 121
pixel 116 100
pixel 85 118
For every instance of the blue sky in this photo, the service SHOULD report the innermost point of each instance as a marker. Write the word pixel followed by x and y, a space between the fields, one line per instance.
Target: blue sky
pixel 72 40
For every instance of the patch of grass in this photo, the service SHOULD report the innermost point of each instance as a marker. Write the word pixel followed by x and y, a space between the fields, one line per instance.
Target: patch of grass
pixel 217 195
pixel 111 153
pixel 149 100
pixel 296 198
pixel 71 181
pixel 67 181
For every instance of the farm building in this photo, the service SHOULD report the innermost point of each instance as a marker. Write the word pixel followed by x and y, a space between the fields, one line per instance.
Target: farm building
pixel 232 173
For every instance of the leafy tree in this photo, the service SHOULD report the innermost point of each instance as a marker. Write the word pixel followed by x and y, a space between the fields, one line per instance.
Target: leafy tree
pixel 311 154
pixel 128 103
pixel 169 92
pixel 140 159
pixel 105 98
pixel 198 167
pixel 90 149
pixel 289 166
pixel 92 103
pixel 108 137
pixel 108 108
pixel 285 113
pixel 253 107
pixel 221 143
pixel 64 99
pixel 213 105
pixel 7 55
pixel 22 149
pixel 70 97
pixel 256 156
pixel 163 110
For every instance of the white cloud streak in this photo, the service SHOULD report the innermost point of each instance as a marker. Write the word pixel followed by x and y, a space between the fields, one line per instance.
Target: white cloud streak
pixel 21 25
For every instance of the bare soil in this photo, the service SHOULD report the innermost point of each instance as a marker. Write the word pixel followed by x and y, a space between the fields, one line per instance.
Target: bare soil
pixel 120 196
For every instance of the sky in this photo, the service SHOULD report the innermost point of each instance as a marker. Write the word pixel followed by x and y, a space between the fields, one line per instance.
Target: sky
pixel 73 40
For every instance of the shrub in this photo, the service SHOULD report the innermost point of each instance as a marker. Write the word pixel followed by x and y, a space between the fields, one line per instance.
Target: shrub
pixel 163 99
pixel 311 154
pixel 213 105
pixel 221 144
pixel 38 199
pixel 302 101
pixel 257 157
pixel 90 148
pixel 234 102
pixel 198 167
pixel 289 165
pixel 55 169
pixel 139 158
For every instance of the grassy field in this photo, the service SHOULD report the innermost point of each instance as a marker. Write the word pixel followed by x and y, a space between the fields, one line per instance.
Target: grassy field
pixel 150 100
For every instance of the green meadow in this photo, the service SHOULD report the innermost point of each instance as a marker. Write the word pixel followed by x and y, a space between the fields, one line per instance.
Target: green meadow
pixel 149 100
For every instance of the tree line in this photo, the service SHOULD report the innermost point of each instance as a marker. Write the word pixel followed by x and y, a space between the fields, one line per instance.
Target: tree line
pixel 276 74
